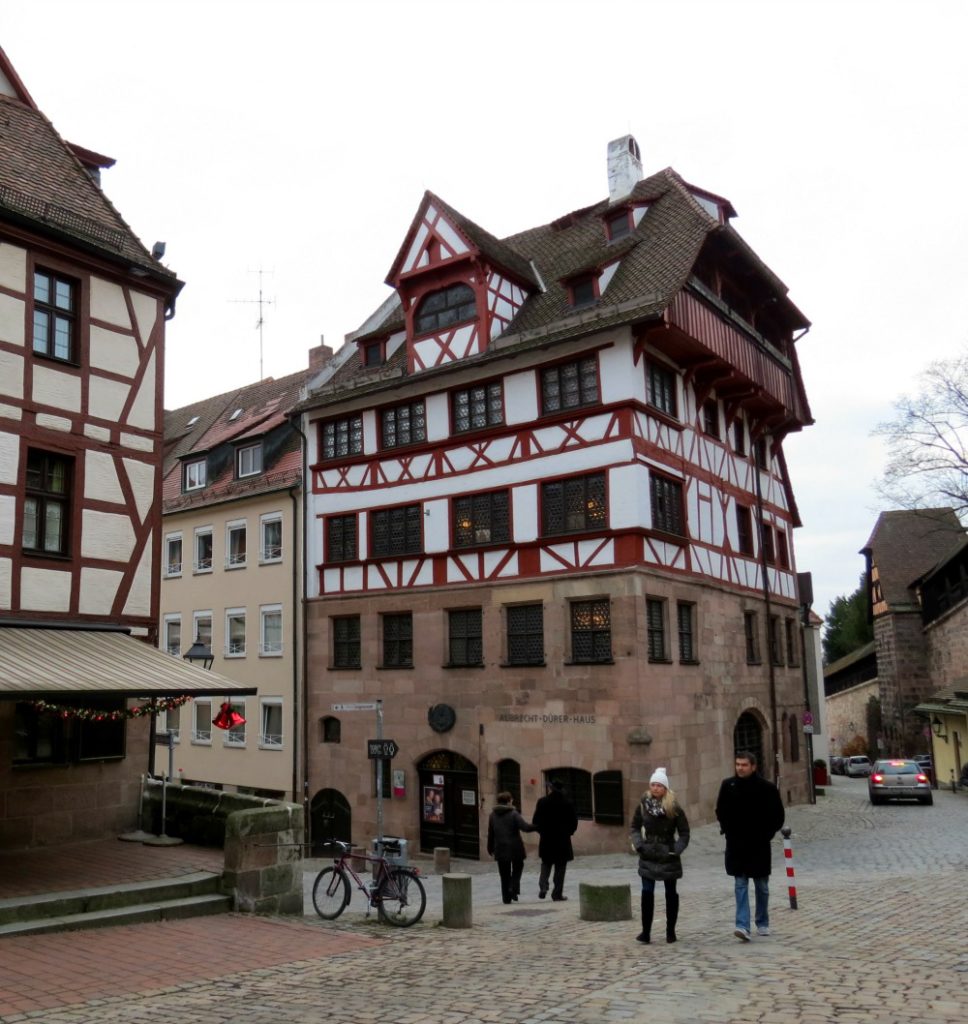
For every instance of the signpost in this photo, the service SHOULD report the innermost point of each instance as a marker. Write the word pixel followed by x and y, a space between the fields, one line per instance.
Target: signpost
pixel 381 746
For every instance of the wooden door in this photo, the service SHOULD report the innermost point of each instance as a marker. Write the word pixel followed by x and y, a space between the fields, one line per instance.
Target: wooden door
pixel 449 802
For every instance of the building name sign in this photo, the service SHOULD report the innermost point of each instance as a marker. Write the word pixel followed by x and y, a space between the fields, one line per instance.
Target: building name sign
pixel 509 716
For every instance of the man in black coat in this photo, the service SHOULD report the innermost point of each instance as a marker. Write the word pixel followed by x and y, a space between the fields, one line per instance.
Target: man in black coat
pixel 750 813
pixel 556 821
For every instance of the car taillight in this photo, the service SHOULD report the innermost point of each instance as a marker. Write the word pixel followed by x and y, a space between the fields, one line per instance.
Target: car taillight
pixel 922 778
pixel 877 777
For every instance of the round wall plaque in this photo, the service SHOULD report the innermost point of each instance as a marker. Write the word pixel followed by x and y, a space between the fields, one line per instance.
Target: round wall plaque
pixel 441 717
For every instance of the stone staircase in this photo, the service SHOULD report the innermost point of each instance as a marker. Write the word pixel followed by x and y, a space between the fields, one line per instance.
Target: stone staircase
pixel 190 895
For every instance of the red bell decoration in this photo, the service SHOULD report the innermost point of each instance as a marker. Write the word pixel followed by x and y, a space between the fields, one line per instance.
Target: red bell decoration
pixel 227 718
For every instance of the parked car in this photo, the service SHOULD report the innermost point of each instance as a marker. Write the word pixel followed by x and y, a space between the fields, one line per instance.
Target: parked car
pixel 924 760
pixel 837 765
pixel 857 766
pixel 899 780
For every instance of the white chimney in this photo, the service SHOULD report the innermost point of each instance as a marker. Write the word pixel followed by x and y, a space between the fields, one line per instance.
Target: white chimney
pixel 624 167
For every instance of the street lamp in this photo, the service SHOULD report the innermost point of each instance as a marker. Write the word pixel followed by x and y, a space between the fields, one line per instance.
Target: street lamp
pixel 937 727
pixel 199 654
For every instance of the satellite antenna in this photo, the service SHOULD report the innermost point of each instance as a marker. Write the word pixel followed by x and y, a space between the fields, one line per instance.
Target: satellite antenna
pixel 262 303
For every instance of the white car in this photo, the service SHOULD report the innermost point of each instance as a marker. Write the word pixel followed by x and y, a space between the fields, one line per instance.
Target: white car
pixel 857 766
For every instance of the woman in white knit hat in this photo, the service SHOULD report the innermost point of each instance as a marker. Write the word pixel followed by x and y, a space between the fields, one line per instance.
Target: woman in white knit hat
pixel 659 833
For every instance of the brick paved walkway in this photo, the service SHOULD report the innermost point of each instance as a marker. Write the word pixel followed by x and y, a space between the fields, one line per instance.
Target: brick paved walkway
pixel 879 939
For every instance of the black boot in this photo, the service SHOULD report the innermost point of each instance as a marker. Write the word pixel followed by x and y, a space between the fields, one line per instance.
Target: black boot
pixel 672 915
pixel 648 907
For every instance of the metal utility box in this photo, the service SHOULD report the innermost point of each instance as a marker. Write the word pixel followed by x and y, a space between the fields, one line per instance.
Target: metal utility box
pixel 400 859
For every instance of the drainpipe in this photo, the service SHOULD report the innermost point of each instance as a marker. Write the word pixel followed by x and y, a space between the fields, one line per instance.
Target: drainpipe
pixel 299 592
pixel 297 649
pixel 769 614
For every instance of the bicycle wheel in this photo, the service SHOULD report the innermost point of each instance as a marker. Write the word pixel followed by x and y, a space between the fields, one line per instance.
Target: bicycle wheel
pixel 402 898
pixel 331 893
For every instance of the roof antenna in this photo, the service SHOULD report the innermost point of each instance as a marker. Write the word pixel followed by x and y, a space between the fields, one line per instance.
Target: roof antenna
pixel 262 302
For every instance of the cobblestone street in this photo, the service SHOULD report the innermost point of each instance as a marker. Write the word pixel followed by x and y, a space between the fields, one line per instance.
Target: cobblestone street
pixel 879 938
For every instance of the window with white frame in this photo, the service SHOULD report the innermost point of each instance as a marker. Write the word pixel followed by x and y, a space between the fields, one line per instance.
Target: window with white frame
pixel 235 737
pixel 171 722
pixel 270 729
pixel 203 549
pixel 195 476
pixel 201 720
pixel 171 635
pixel 248 460
pixel 235 546
pixel 270 643
pixel 202 628
pixel 271 544
pixel 173 554
pixel 234 632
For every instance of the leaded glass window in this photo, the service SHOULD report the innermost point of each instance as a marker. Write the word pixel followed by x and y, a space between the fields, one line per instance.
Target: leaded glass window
pixel 591 631
pixel 478 407
pixel 481 519
pixel 661 388
pixel 445 308
pixel 404 424
pixel 341 538
pixel 655 615
pixel 569 385
pixel 573 505
pixel 346 641
pixel 465 633
pixel 525 625
pixel 339 438
pixel 396 531
pixel 398 640
pixel 666 504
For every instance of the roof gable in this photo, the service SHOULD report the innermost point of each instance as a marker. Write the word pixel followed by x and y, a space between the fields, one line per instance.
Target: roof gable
pixel 432 239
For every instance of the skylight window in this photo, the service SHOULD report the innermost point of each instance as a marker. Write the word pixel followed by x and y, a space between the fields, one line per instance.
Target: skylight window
pixel 235 415
pixel 192 421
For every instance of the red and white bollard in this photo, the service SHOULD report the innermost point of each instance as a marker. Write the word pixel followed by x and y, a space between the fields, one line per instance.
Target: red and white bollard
pixel 786 832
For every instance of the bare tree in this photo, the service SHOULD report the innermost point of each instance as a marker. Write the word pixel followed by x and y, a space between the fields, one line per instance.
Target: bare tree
pixel 927 441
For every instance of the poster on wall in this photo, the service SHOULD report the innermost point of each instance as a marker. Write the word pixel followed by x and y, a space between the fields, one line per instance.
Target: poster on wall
pixel 399 782
pixel 433 804
pixel 468 797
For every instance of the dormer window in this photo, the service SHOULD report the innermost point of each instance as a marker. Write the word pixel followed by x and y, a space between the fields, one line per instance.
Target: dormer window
pixel 371 353
pixel 618 225
pixel 445 308
pixel 194 475
pixel 583 290
pixel 248 460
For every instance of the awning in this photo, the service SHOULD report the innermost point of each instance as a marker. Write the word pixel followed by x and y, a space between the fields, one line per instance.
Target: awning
pixel 47 662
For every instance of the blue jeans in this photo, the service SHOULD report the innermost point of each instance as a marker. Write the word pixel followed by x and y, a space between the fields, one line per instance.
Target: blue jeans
pixel 762 888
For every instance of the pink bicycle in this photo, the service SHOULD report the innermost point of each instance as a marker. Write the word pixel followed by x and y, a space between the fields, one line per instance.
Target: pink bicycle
pixel 396 892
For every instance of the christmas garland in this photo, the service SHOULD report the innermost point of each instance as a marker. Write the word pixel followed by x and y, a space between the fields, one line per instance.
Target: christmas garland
pixel 100 715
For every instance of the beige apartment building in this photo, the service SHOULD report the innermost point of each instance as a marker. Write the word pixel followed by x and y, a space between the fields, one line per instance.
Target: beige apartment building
pixel 230 583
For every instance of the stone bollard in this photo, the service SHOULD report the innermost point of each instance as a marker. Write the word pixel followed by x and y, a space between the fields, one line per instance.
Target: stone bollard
pixel 441 860
pixel 457 901
pixel 604 902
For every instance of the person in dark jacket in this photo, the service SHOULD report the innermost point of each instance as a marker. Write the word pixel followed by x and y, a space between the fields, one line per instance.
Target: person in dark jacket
pixel 659 833
pixel 750 813
pixel 505 845
pixel 556 822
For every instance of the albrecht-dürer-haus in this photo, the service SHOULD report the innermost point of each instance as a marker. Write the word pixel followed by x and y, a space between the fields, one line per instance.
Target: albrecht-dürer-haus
pixel 549 519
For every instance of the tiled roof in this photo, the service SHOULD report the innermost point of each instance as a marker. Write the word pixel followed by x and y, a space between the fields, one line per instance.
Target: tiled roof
pixel 44 184
pixel 906 544
pixel 264 407
pixel 656 260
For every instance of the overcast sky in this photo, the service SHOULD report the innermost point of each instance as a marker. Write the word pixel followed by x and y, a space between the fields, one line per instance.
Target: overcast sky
pixel 298 137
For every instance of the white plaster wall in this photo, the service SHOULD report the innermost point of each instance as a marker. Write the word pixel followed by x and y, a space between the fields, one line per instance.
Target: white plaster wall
pixel 12 320
pixel 520 397
pixel 105 535
pixel 115 352
pixel 106 398
pixel 436 526
pixel 146 312
pixel 524 502
pixel 6 582
pixel 370 430
pixel 101 479
pixel 58 389
pixel 143 408
pixel 136 442
pixel 98 588
pixel 13 267
pixel 61 423
pixel 107 303
pixel 139 597
pixel 11 374
pixel 8 512
pixel 438 417
pixel 97 433
pixel 142 478
pixel 45 590
pixel 10 412
pixel 9 458
pixel 615 369
pixel 395 341
pixel 450 236
pixel 628 488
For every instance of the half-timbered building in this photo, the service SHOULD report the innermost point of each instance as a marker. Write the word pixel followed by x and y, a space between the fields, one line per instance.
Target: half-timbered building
pixel 550 523
pixel 83 306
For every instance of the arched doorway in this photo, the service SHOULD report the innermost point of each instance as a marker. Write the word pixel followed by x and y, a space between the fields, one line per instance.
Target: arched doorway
pixel 449 804
pixel 748 735
pixel 330 817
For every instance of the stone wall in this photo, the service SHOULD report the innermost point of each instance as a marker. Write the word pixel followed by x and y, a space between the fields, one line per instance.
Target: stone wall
pixel 263 859
pixel 196 814
pixel 846 708
pixel 905 680
pixel 947 648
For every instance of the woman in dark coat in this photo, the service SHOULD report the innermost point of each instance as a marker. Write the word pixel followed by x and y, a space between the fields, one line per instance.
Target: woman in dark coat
pixel 659 833
pixel 505 845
